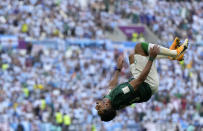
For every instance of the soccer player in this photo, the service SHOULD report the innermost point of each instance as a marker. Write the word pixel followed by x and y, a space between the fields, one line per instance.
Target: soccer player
pixel 145 80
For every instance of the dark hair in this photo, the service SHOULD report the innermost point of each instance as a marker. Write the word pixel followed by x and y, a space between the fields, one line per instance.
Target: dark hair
pixel 108 115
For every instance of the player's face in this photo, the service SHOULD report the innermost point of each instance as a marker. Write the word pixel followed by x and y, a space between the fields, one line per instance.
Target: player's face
pixel 102 105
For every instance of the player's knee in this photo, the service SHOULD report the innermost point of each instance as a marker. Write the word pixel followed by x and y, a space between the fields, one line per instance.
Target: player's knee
pixel 131 58
pixel 137 47
pixel 138 50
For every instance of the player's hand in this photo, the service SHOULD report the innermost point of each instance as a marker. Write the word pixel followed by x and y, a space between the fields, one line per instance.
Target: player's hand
pixel 154 51
pixel 120 62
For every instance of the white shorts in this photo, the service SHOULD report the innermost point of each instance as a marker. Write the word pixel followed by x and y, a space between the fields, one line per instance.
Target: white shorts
pixel 137 67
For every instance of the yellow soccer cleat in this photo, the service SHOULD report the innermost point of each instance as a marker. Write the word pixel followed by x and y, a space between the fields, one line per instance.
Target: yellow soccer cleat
pixel 175 45
pixel 181 57
pixel 180 50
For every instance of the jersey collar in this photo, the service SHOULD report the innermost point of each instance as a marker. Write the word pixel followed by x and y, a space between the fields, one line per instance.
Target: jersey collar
pixel 108 97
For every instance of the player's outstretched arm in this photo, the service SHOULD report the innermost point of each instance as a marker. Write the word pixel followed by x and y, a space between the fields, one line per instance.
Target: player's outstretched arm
pixel 153 53
pixel 114 80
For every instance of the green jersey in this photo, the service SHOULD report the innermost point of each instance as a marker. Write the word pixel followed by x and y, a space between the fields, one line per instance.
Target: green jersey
pixel 124 95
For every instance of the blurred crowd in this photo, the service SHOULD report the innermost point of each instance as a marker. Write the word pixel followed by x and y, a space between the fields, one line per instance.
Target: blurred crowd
pixel 166 19
pixel 54 89
pixel 42 19
pixel 68 18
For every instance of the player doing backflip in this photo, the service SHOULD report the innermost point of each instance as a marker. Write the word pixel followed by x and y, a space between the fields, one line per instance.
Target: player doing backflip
pixel 145 80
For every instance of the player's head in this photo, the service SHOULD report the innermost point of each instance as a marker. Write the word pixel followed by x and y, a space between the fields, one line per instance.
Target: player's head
pixel 105 110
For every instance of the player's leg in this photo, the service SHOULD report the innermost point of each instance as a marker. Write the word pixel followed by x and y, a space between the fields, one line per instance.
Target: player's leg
pixel 165 51
pixel 139 59
pixel 142 49
pixel 139 50
pixel 162 57
pixel 174 45
pixel 172 53
pixel 131 58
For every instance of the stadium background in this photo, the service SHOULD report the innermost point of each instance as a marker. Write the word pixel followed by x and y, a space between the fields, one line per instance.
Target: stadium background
pixel 57 57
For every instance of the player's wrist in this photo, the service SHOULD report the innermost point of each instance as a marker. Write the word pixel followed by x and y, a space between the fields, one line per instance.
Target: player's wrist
pixel 151 58
pixel 117 69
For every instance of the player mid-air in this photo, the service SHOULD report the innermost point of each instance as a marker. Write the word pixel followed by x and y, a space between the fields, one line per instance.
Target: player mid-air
pixel 145 80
